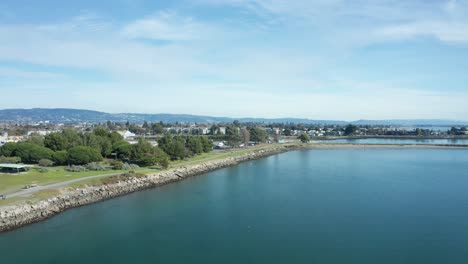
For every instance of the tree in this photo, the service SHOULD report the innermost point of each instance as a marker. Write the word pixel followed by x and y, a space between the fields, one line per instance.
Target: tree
pixel 233 136
pixel 350 130
pixel 105 146
pixel 83 155
pixel 56 142
pixel 141 148
pixel 36 138
pixel 246 136
pixel 123 149
pixel 72 137
pixel 304 137
pixel 165 143
pixel 60 157
pixel 157 128
pixel 195 144
pixel 258 135
pixel 8 149
pixel 90 140
pixel 31 153
pixel 115 137
pixel 178 149
pixel 207 144
pixel 101 132
pixel 146 155
pixel 173 146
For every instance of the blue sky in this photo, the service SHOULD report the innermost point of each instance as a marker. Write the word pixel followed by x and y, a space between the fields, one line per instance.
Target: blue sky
pixel 318 59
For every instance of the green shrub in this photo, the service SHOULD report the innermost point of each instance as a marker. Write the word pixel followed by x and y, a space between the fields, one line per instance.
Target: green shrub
pixel 127 166
pixel 117 165
pixel 45 163
pixel 43 170
pixel 74 168
pixel 164 163
pixel 13 160
pixel 93 166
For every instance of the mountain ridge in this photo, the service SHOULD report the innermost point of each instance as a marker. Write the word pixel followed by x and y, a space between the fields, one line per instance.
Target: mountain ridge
pixel 70 115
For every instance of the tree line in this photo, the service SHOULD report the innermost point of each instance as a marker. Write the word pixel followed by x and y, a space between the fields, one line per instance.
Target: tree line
pixel 70 147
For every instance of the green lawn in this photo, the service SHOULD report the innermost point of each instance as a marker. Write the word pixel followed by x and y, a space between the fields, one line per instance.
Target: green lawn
pixel 214 155
pixel 13 182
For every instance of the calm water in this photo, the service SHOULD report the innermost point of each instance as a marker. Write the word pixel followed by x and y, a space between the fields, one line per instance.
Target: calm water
pixel 399 141
pixel 318 206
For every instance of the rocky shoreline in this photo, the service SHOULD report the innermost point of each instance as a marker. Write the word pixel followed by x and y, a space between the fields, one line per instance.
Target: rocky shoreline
pixel 16 216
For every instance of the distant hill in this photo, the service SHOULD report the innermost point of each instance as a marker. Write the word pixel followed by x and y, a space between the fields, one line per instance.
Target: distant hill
pixel 64 115
pixel 412 122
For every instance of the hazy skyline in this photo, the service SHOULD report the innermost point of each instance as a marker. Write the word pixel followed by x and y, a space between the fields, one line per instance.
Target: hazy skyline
pixel 335 59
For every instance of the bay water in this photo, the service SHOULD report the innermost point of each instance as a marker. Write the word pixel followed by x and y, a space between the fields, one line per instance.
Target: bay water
pixel 310 206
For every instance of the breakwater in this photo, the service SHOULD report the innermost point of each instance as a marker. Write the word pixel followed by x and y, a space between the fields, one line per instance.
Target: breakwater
pixel 15 216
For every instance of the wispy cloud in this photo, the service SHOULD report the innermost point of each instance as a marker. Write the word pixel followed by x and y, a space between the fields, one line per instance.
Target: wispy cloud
pixel 165 25
pixel 445 31
pixel 445 20
pixel 309 59
pixel 16 73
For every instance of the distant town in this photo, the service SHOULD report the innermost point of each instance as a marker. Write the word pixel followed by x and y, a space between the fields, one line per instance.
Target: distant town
pixel 222 134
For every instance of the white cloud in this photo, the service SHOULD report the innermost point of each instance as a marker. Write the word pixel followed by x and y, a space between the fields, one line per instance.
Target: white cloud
pixel 12 72
pixel 164 26
pixel 444 31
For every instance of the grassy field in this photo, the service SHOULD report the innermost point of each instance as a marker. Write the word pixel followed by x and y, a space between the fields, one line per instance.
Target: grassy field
pixel 214 155
pixel 13 182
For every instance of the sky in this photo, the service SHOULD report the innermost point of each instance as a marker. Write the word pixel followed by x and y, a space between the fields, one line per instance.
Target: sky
pixel 317 59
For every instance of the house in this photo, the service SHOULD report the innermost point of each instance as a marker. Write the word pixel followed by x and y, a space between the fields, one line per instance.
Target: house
pixel 3 138
pixel 126 134
pixel 205 131
pixel 14 139
pixel 42 132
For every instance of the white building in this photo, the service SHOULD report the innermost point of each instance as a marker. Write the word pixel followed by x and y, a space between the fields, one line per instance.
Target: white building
pixel 126 134
pixel 42 132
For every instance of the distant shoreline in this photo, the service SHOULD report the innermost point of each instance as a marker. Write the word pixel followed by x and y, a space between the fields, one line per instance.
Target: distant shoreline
pixel 331 138
pixel 16 216
pixel 399 146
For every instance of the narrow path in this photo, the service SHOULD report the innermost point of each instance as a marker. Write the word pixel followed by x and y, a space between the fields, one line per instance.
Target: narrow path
pixel 29 192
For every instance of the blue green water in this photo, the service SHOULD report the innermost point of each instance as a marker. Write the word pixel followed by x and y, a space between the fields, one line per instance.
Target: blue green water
pixel 401 141
pixel 317 206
